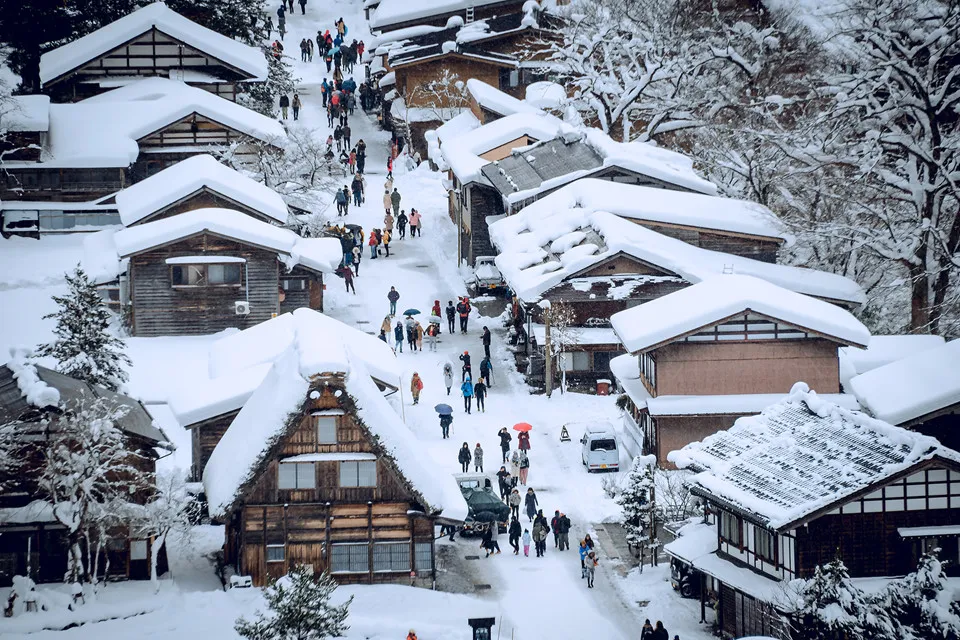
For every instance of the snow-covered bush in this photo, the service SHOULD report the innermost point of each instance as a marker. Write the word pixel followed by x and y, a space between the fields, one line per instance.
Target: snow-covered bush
pixel 84 347
pixel 636 499
pixel 298 609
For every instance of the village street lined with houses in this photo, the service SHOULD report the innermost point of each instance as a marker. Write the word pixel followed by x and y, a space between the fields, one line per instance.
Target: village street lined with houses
pixel 242 397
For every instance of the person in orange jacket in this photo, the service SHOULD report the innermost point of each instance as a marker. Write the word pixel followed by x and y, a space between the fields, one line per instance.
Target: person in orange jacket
pixel 416 386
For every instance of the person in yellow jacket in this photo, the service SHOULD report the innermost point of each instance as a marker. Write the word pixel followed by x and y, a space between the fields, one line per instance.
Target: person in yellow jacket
pixel 416 386
pixel 419 330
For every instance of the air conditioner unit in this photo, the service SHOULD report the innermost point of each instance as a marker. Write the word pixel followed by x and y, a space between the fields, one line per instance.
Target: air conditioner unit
pixel 241 308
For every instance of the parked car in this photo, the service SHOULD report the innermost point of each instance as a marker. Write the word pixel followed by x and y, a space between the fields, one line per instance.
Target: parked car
pixel 487 276
pixel 685 579
pixel 599 450
pixel 483 503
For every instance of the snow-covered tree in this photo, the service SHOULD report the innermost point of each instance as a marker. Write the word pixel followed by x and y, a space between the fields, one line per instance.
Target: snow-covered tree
pixel 89 476
pixel 238 19
pixel 263 97
pixel 298 609
pixel 439 99
pixel 637 501
pixel 920 602
pixel 84 347
pixel 561 318
pixel 166 514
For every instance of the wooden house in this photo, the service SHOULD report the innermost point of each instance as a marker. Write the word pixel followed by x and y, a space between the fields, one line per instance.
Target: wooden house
pixel 32 540
pixel 96 147
pixel 154 41
pixel 801 484
pixel 317 469
pixel 391 15
pixel 704 354
pixel 240 362
pixel 920 392
pixel 199 182
pixel 207 270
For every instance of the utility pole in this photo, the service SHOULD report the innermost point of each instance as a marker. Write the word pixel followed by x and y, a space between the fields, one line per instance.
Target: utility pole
pixel 548 353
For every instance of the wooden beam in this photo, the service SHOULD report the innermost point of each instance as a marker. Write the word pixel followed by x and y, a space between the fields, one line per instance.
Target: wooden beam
pixel 370 541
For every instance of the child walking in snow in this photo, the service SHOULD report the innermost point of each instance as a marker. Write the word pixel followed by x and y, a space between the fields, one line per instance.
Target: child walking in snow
pixel 526 543
pixel 448 376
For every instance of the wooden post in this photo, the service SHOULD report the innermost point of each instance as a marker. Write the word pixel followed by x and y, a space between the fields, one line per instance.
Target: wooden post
pixel 548 355
pixel 370 541
pixel 328 552
pixel 286 549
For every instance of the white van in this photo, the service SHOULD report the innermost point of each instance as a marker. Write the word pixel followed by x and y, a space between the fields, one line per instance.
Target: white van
pixel 599 448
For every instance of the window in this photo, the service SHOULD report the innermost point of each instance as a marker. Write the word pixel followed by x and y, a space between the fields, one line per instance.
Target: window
pixel 326 429
pixel 575 360
pixel 730 528
pixel 358 474
pixel 648 368
pixel 391 556
pixel 276 553
pixel 293 284
pixel 423 556
pixel 349 558
pixel 296 475
pixel 603 445
pixel 206 275
pixel 765 542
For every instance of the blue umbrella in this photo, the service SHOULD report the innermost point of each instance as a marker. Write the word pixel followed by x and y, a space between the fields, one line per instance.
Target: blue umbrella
pixel 411 312
pixel 444 409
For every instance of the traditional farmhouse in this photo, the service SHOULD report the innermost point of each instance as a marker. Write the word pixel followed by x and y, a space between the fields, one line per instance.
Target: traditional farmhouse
pixel 399 14
pixel 801 484
pixel 318 469
pixel 240 362
pixel 920 392
pixel 207 270
pixel 96 147
pixel 199 182
pixel 704 353
pixel 33 398
pixel 154 41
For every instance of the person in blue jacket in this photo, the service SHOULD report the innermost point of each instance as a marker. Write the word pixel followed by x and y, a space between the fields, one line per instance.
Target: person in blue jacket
pixel 467 389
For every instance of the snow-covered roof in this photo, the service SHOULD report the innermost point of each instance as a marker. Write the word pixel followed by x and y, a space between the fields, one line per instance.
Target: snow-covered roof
pixel 683 312
pixel 732 404
pixel 449 130
pixel 492 99
pixel 801 456
pixel 26 113
pixel 625 368
pixel 33 512
pixel 189 176
pixel 264 421
pixel 391 12
pixel 103 131
pixel 584 335
pixel 244 58
pixel 197 402
pixel 676 208
pixel 883 350
pixel 319 254
pixel 912 387
pixel 542 246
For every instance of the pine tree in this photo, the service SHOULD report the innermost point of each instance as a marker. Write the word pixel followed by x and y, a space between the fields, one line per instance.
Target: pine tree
pixel 637 501
pixel 914 601
pixel 262 96
pixel 299 609
pixel 84 347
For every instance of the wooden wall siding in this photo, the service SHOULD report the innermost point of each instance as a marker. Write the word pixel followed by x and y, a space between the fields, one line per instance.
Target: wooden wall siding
pixel 152 54
pixel 675 432
pixel 160 309
pixel 295 298
pixel 756 248
pixel 501 152
pixel 203 199
pixel 193 130
pixel 204 437
pixel 773 366
pixel 69 185
pixel 741 615
pixel 419 75
pixel 474 234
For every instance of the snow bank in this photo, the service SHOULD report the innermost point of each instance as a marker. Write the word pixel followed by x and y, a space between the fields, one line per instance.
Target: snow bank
pixel 27 113
pixel 189 176
pixel 912 387
pixel 545 95
pixel 801 455
pixel 492 99
pixel 715 299
pixel 61 60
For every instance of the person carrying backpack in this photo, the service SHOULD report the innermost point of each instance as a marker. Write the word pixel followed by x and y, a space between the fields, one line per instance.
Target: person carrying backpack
pixel 284 105
pixel 416 386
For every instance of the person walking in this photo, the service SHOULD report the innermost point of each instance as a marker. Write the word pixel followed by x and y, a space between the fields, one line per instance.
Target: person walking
pixel 448 376
pixel 584 550
pixel 347 274
pixel 341 199
pixel 592 570
pixel 646 633
pixel 435 309
pixel 505 439
pixel 514 500
pixel 303 49
pixel 411 334
pixel 395 201
pixel 526 543
pixel 488 543
pixel 464 457
pixel 445 421
pixel 466 370
pixel 416 386
pixel 416 223
pixel 486 371
pixel 478 459
pixel 389 168
pixel 514 533
pixel 540 531
pixel 523 441
pixel 553 526
pixel 310 50
pixel 524 467
pixel 346 135
pixel 356 186
pixel 503 482
pixel 451 315
pixel 418 333
pixel 324 91
pixel 357 254
pixel 515 467
pixel 372 243
pixel 480 392
pixel 386 202
pixel 402 224
pixel 393 296
pixel 413 634
pixel 463 310
pixel 530 503
pixel 338 136
pixel 386 325
pixel 388 221
pixel 398 337
pixel 284 105
pixel 659 632
pixel 467 389
pixel 432 331
pixel 563 524
pixel 485 339
pixel 386 236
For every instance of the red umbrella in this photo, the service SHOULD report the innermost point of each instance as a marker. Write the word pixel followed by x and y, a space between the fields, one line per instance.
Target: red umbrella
pixel 522 426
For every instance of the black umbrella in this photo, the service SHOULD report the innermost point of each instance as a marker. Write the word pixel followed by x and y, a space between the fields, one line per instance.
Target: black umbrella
pixel 411 312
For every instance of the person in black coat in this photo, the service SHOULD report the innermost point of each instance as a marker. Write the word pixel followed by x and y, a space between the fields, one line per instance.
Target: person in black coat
pixel 505 439
pixel 451 314
pixel 464 457
pixel 485 339
pixel 445 422
pixel 465 359
pixel 646 633
pixel 503 479
pixel 514 532
pixel 659 633
pixel 480 393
